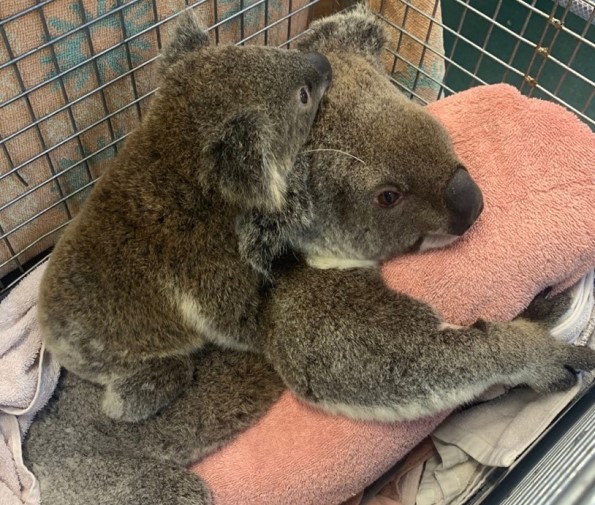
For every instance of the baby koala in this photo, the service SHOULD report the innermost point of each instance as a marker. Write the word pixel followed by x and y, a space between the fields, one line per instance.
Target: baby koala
pixel 150 270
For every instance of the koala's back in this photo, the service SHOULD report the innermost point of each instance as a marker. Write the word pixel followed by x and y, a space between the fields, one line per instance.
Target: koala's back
pixel 117 281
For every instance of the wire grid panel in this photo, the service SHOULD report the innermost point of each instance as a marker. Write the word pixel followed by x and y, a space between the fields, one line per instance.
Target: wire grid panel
pixel 546 48
pixel 75 79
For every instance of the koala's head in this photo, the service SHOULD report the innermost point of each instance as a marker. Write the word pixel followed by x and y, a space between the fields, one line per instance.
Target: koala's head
pixel 234 118
pixel 384 178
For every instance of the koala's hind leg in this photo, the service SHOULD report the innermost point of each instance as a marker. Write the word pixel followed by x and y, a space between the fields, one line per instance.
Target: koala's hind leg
pixel 115 479
pixel 148 389
pixel 343 342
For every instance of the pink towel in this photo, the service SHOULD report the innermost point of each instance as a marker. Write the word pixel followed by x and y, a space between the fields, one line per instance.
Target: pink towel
pixel 28 377
pixel 535 163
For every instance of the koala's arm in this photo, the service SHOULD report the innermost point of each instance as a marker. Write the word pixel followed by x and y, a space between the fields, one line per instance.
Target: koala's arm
pixel 346 343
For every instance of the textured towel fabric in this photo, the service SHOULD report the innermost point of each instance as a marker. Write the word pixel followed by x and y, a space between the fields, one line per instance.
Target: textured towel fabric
pixel 27 380
pixel 534 162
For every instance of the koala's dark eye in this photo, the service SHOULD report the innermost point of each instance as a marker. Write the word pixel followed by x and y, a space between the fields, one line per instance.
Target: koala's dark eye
pixel 304 96
pixel 388 198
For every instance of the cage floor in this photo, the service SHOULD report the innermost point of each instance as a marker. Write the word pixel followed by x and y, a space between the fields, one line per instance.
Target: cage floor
pixel 516 17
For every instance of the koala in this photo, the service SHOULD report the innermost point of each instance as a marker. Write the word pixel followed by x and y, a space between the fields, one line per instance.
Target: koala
pixel 381 179
pixel 384 183
pixel 150 270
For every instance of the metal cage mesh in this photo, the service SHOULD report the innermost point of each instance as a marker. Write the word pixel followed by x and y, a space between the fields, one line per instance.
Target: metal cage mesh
pixel 76 77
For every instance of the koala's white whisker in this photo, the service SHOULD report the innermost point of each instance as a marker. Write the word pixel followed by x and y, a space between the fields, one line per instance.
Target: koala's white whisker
pixel 335 151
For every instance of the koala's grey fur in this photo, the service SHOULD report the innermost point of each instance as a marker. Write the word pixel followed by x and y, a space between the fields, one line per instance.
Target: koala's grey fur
pixel 337 337
pixel 82 457
pixel 151 269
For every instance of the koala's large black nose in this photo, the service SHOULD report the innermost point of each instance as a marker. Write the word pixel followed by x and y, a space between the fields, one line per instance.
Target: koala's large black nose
pixel 464 200
pixel 322 66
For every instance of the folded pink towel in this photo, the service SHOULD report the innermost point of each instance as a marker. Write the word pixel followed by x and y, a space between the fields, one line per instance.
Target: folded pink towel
pixel 27 380
pixel 534 162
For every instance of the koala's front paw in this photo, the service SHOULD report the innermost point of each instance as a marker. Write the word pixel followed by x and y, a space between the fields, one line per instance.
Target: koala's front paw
pixel 547 310
pixel 557 367
pixel 148 390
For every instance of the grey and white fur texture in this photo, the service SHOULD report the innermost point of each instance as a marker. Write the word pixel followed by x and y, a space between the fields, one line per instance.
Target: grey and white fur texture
pixel 383 180
pixel 150 270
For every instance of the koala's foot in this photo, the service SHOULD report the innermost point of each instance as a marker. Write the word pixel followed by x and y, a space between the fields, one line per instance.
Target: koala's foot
pixel 150 388
pixel 549 365
pixel 557 365
pixel 547 310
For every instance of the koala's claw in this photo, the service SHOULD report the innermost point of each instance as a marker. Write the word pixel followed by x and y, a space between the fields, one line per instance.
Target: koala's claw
pixel 547 310
pixel 560 372
pixel 555 380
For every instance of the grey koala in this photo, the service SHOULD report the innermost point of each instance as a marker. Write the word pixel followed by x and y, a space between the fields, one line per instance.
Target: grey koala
pixel 150 270
pixel 338 337
pixel 386 183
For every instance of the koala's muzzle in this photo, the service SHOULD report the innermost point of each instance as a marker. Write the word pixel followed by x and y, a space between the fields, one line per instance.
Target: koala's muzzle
pixel 464 200
pixel 322 67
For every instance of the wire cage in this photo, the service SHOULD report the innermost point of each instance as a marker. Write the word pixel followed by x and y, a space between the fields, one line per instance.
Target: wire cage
pixel 76 77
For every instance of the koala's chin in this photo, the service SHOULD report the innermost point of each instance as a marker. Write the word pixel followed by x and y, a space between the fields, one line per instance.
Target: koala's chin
pixel 435 241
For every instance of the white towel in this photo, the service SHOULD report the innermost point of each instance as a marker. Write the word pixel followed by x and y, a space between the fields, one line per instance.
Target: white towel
pixel 28 377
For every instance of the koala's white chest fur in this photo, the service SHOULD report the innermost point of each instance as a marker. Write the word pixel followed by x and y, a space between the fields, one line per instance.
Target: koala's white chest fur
pixel 330 262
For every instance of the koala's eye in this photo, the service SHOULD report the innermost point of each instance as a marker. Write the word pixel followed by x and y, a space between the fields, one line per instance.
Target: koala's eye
pixel 304 96
pixel 388 198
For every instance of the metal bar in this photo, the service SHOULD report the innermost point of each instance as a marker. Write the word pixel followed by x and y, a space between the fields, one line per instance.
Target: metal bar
pixel 101 53
pixel 242 19
pixel 546 16
pixel 280 20
pixel 21 13
pixel 289 9
pixel 266 22
pixel 435 51
pixel 569 107
pixel 41 213
pixel 551 46
pixel 425 45
pixel 589 100
pixel 575 51
pixel 9 158
pixel 32 116
pixel 87 128
pixel 35 242
pixel 69 112
pixel 400 41
pixel 65 171
pixel 508 30
pixel 539 44
pixel 420 70
pixel 472 44
pixel 65 34
pixel 81 98
pixel 456 41
pixel 129 61
pixel 156 26
pixel 409 91
pixel 216 26
pixel 487 37
pixel 13 283
pixel 518 42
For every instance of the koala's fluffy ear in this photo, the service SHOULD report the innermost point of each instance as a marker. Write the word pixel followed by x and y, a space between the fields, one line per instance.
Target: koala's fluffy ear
pixel 188 36
pixel 357 30
pixel 244 166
